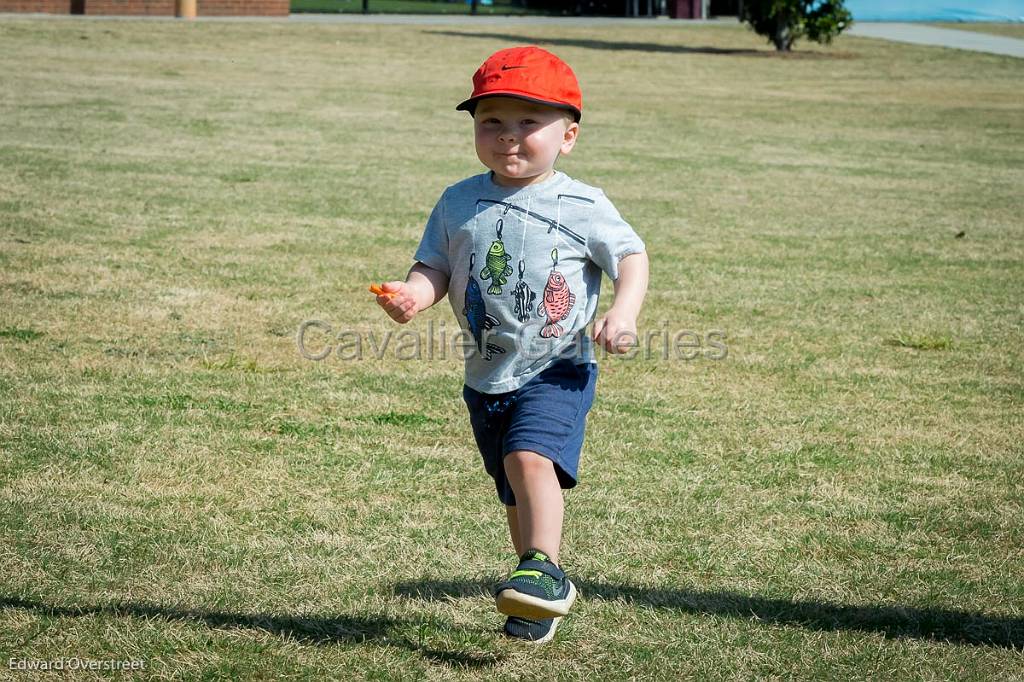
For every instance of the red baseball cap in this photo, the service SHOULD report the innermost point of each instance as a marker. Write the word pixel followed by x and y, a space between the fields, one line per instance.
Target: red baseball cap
pixel 528 73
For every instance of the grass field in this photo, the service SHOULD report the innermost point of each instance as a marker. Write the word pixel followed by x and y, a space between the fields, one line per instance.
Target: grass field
pixel 840 497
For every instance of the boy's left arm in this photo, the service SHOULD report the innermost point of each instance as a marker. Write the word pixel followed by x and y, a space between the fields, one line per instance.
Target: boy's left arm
pixel 615 331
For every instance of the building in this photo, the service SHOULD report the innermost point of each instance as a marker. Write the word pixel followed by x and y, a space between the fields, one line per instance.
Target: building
pixel 207 8
pixel 868 10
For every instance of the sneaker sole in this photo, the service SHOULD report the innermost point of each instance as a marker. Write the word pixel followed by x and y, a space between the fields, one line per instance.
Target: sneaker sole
pixel 513 603
pixel 548 637
pixel 543 640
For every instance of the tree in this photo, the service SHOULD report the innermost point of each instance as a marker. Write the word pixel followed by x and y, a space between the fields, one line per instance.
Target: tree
pixel 784 21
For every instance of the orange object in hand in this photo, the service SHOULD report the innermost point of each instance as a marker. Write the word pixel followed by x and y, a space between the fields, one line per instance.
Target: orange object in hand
pixel 378 289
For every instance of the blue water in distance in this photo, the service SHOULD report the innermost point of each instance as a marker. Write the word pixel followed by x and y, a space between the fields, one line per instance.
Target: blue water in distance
pixel 936 10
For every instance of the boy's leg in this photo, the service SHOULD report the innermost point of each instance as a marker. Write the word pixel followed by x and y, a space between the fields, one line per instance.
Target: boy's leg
pixel 512 514
pixel 541 447
pixel 536 631
pixel 538 591
pixel 539 508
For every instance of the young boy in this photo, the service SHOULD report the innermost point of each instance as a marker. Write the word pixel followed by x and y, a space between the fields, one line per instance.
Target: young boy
pixel 520 251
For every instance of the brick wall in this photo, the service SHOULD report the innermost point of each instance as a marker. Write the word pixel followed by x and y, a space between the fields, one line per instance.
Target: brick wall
pixel 48 6
pixel 209 8
pixel 143 7
pixel 221 8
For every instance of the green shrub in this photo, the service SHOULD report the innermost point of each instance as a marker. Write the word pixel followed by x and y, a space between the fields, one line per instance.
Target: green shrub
pixel 785 21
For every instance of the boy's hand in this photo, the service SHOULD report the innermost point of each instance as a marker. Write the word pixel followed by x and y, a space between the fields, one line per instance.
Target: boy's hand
pixel 616 331
pixel 398 301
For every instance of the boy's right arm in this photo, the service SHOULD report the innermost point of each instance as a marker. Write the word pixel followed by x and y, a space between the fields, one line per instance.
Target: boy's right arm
pixel 423 287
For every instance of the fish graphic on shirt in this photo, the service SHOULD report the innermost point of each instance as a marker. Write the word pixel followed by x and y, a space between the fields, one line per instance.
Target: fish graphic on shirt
pixel 555 304
pixel 496 267
pixel 523 295
pixel 478 319
pixel 524 298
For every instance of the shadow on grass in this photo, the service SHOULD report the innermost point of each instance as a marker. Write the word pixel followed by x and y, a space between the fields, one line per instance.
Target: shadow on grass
pixel 642 47
pixel 944 625
pixel 312 630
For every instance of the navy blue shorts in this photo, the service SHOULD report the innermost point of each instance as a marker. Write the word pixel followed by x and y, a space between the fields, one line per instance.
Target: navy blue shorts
pixel 546 415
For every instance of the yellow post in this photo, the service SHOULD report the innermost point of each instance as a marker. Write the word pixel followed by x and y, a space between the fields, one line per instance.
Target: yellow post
pixel 185 9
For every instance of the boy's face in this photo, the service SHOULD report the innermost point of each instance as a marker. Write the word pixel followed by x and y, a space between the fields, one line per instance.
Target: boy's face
pixel 520 140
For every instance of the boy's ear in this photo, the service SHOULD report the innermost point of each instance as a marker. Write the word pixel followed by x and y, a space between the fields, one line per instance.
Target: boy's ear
pixel 572 131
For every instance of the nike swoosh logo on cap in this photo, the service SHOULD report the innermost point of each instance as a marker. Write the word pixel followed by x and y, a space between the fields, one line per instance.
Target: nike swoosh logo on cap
pixel 506 67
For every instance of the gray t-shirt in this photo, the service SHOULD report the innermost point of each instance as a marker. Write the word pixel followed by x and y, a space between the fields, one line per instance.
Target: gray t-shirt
pixel 524 268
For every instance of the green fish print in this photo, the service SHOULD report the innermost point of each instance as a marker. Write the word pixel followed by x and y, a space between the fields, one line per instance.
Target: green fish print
pixel 496 267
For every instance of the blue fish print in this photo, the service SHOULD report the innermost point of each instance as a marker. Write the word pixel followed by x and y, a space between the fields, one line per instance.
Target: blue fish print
pixel 478 319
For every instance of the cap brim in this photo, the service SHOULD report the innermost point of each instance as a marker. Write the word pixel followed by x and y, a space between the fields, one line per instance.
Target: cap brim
pixel 470 104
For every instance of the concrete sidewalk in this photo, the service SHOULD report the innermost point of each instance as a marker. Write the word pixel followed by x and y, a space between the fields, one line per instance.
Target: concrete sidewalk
pixel 921 34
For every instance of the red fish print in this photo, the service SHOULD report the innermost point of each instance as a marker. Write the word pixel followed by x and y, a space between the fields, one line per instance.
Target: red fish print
pixel 556 304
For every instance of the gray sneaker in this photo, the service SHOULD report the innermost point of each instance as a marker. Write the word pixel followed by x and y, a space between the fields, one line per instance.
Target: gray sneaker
pixel 536 590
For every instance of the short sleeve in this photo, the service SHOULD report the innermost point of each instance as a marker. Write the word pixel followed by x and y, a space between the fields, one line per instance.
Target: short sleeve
pixel 610 238
pixel 433 248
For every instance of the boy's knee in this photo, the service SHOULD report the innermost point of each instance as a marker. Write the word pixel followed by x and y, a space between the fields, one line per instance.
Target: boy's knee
pixel 527 463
